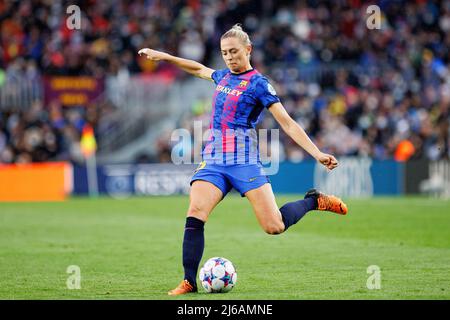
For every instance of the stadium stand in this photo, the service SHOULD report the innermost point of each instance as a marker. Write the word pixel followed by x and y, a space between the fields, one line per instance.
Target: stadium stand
pixel 379 93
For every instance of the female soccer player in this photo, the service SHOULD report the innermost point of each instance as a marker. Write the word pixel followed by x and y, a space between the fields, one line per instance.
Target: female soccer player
pixel 230 161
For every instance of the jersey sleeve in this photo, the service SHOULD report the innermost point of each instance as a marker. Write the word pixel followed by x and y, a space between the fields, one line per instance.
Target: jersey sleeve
pixel 217 75
pixel 266 93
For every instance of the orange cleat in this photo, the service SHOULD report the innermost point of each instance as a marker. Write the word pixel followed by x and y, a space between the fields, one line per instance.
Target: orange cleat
pixel 183 288
pixel 328 202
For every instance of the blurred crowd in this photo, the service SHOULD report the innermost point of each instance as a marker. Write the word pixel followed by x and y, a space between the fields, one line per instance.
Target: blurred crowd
pixel 383 93
pixel 48 133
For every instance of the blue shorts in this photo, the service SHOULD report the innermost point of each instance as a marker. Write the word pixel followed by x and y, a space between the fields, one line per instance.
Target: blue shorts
pixel 242 177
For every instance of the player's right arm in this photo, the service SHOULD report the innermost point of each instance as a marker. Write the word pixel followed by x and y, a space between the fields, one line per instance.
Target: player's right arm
pixel 193 67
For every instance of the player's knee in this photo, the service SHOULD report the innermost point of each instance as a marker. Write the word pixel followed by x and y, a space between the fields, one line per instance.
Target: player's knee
pixel 274 228
pixel 198 212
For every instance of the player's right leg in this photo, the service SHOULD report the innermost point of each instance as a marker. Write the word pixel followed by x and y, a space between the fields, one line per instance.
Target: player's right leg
pixel 204 196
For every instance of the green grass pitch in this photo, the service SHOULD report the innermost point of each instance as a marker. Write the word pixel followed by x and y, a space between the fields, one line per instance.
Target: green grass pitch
pixel 131 249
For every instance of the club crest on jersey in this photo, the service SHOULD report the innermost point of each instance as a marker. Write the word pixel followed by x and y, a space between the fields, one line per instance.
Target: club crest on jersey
pixel 243 83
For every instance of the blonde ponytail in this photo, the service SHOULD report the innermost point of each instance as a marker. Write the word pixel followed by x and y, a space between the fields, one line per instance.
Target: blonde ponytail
pixel 237 32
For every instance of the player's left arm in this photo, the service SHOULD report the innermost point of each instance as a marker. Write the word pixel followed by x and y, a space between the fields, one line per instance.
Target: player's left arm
pixel 296 132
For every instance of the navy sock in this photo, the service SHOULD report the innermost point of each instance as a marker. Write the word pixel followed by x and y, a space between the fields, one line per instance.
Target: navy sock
pixel 193 245
pixel 292 212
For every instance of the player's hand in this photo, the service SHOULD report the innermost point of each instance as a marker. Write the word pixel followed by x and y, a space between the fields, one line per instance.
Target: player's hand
pixel 153 55
pixel 328 161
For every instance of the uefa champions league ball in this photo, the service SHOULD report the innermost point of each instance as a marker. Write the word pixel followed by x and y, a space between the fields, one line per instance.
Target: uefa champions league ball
pixel 218 275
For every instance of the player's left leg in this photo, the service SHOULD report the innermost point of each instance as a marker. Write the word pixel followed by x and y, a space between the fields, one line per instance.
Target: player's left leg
pixel 251 181
pixel 272 219
pixel 275 221
pixel 266 209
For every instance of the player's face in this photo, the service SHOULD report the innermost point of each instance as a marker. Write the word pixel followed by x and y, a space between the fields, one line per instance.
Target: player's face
pixel 235 54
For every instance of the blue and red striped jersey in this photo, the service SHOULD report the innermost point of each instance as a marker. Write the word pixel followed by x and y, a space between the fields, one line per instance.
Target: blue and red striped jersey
pixel 238 102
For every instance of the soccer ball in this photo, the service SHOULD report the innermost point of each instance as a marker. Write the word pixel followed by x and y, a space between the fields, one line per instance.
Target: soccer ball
pixel 218 275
